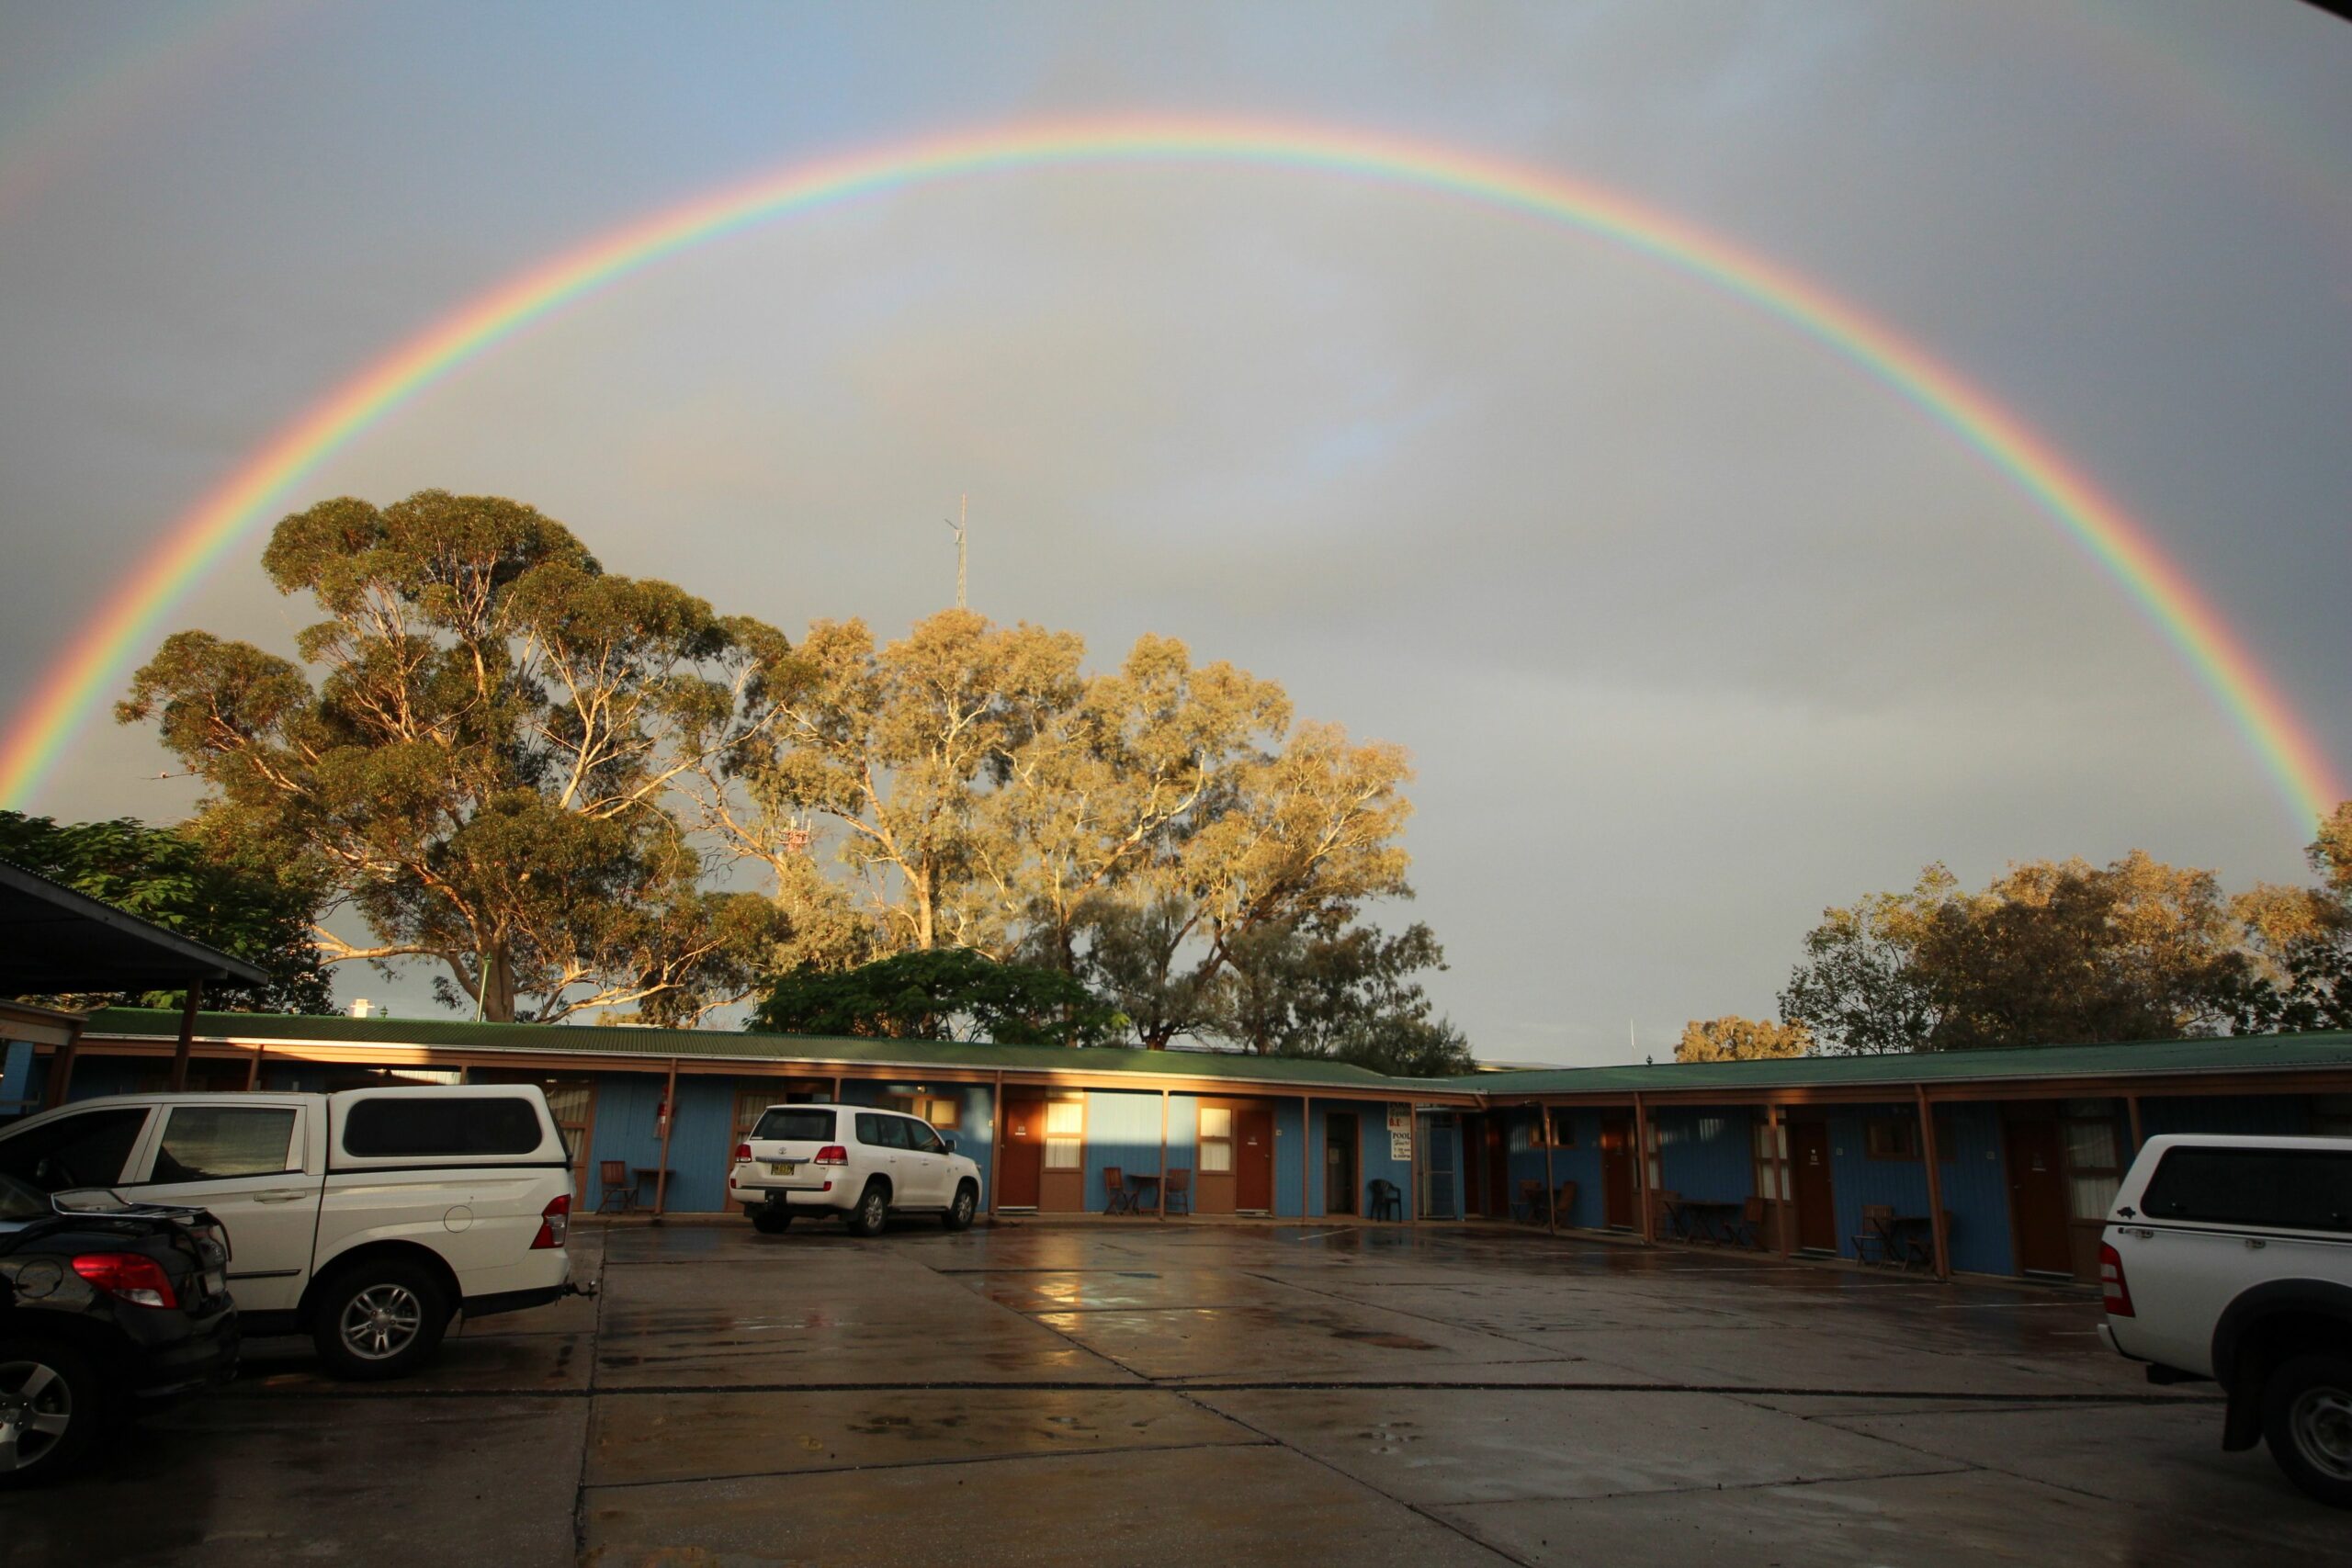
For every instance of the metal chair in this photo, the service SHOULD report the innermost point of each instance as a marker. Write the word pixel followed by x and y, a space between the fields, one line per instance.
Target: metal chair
pixel 1564 1203
pixel 1877 1234
pixel 1123 1199
pixel 1530 1210
pixel 1747 1229
pixel 612 1176
pixel 1388 1201
pixel 1176 1193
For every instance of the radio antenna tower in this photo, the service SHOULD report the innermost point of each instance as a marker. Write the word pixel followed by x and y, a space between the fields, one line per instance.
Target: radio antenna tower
pixel 962 511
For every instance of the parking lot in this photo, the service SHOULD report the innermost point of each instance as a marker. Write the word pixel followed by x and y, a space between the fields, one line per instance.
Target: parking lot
pixel 1133 1391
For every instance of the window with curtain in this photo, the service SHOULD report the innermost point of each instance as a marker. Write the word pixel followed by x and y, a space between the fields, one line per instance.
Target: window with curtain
pixel 1065 1134
pixel 2093 1159
pixel 1216 1139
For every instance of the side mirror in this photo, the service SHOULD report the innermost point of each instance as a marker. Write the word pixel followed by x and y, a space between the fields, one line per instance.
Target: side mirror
pixel 949 1139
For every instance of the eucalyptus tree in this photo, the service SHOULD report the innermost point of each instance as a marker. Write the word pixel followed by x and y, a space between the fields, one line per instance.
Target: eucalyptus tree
pixel 479 752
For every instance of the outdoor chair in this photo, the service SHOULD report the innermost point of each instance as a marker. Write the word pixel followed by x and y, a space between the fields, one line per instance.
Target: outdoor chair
pixel 1176 1193
pixel 1530 1209
pixel 1564 1203
pixel 1747 1230
pixel 1877 1235
pixel 1387 1202
pixel 1123 1201
pixel 620 1196
pixel 1668 1218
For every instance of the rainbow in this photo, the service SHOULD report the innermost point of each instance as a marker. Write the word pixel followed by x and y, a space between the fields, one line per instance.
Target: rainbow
pixel 98 656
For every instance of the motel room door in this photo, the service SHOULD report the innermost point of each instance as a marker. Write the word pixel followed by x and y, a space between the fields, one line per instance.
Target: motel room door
pixel 2037 1197
pixel 1341 1131
pixel 1617 1180
pixel 1023 1163
pixel 1254 1159
pixel 1809 1176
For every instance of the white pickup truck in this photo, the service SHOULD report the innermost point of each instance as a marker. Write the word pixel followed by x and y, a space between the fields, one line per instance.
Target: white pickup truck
pixel 2230 1258
pixel 366 1219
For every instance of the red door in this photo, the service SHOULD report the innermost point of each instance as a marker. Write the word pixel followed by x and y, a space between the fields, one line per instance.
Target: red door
pixel 1809 1178
pixel 1617 1172
pixel 1023 1163
pixel 1253 1159
pixel 2037 1197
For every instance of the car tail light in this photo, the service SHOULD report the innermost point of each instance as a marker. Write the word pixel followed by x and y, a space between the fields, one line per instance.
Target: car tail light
pixel 743 1152
pixel 555 1224
pixel 832 1154
pixel 2110 1280
pixel 127 1276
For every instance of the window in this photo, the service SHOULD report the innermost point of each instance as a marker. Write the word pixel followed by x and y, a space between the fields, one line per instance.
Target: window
pixel 1773 1161
pixel 1065 1134
pixel 440 1125
pixel 1656 1169
pixel 922 1139
pixel 1561 1125
pixel 2304 1190
pixel 1891 1138
pixel 2094 1158
pixel 86 1150
pixel 573 1106
pixel 879 1131
pixel 799 1124
pixel 1216 1139
pixel 212 1143
pixel 941 1110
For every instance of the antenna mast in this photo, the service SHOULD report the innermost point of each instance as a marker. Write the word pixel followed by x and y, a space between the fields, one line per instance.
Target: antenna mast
pixel 963 513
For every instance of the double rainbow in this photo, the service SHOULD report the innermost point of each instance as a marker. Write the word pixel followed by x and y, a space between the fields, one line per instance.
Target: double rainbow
pixel 95 659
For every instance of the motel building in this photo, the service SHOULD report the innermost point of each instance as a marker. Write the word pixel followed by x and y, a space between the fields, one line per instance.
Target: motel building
pixel 1978 1162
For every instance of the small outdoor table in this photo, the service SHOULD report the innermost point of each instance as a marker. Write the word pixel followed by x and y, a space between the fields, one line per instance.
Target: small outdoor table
pixel 1143 1192
pixel 653 1174
pixel 1709 1218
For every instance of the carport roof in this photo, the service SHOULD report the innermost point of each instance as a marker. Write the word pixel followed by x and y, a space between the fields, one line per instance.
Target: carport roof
pixel 2226 1054
pixel 53 941
pixel 704 1044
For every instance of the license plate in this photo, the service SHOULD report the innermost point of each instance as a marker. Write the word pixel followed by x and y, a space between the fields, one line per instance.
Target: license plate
pixel 782 1167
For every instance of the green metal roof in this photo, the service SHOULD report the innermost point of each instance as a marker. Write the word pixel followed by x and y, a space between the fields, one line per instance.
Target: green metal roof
pixel 2229 1053
pixel 2238 1054
pixel 706 1044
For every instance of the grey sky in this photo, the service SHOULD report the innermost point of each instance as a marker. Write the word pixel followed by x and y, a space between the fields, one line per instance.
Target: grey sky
pixel 1691 628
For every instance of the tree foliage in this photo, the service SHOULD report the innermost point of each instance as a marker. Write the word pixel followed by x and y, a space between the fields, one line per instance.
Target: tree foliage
pixel 2300 941
pixel 1327 986
pixel 945 993
pixel 481 765
pixel 256 912
pixel 1734 1039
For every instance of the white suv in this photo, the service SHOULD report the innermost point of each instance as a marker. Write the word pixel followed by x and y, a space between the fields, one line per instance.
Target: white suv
pixel 2230 1258
pixel 367 1219
pixel 853 1162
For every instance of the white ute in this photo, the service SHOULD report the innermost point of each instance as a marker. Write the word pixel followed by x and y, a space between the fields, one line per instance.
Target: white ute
pixel 851 1162
pixel 2230 1258
pixel 366 1219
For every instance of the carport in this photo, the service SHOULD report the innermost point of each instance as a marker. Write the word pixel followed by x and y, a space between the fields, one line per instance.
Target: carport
pixel 55 942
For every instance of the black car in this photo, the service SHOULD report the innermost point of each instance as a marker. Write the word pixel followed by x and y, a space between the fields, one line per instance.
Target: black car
pixel 98 1309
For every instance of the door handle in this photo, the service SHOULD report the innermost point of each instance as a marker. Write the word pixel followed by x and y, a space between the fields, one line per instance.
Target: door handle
pixel 295 1197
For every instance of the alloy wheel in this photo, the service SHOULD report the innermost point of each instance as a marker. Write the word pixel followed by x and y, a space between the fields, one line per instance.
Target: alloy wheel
pixel 36 1409
pixel 381 1320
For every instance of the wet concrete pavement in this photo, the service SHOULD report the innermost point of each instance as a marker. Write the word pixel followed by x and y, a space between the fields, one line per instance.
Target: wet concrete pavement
pixel 1147 1393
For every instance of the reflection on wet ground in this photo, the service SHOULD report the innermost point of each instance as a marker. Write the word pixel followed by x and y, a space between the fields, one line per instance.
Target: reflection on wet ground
pixel 1089 1392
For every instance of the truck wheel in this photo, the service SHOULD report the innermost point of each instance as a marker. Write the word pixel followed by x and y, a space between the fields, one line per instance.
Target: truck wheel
pixel 873 1211
pixel 52 1407
pixel 2307 1418
pixel 959 1213
pixel 379 1320
pixel 771 1219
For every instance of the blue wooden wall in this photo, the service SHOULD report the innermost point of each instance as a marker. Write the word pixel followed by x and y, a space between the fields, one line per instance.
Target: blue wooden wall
pixel 15 1074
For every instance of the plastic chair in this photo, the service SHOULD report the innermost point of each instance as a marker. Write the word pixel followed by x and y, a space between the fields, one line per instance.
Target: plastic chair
pixel 1176 1193
pixel 612 1175
pixel 1388 1201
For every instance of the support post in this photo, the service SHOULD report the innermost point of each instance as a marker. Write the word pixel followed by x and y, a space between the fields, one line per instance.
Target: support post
pixel 61 1068
pixel 2132 1104
pixel 1551 1189
pixel 253 1068
pixel 1642 1169
pixel 1163 1154
pixel 995 1140
pixel 1413 1164
pixel 669 1121
pixel 1935 1186
pixel 1305 1157
pixel 186 1044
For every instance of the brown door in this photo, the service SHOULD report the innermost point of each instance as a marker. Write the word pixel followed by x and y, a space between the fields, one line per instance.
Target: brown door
pixel 1617 1172
pixel 1497 1168
pixel 1809 1178
pixel 1023 1161
pixel 2037 1197
pixel 1340 1133
pixel 1253 1159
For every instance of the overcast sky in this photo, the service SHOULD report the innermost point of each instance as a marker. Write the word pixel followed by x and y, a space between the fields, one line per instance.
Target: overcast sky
pixel 1692 629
